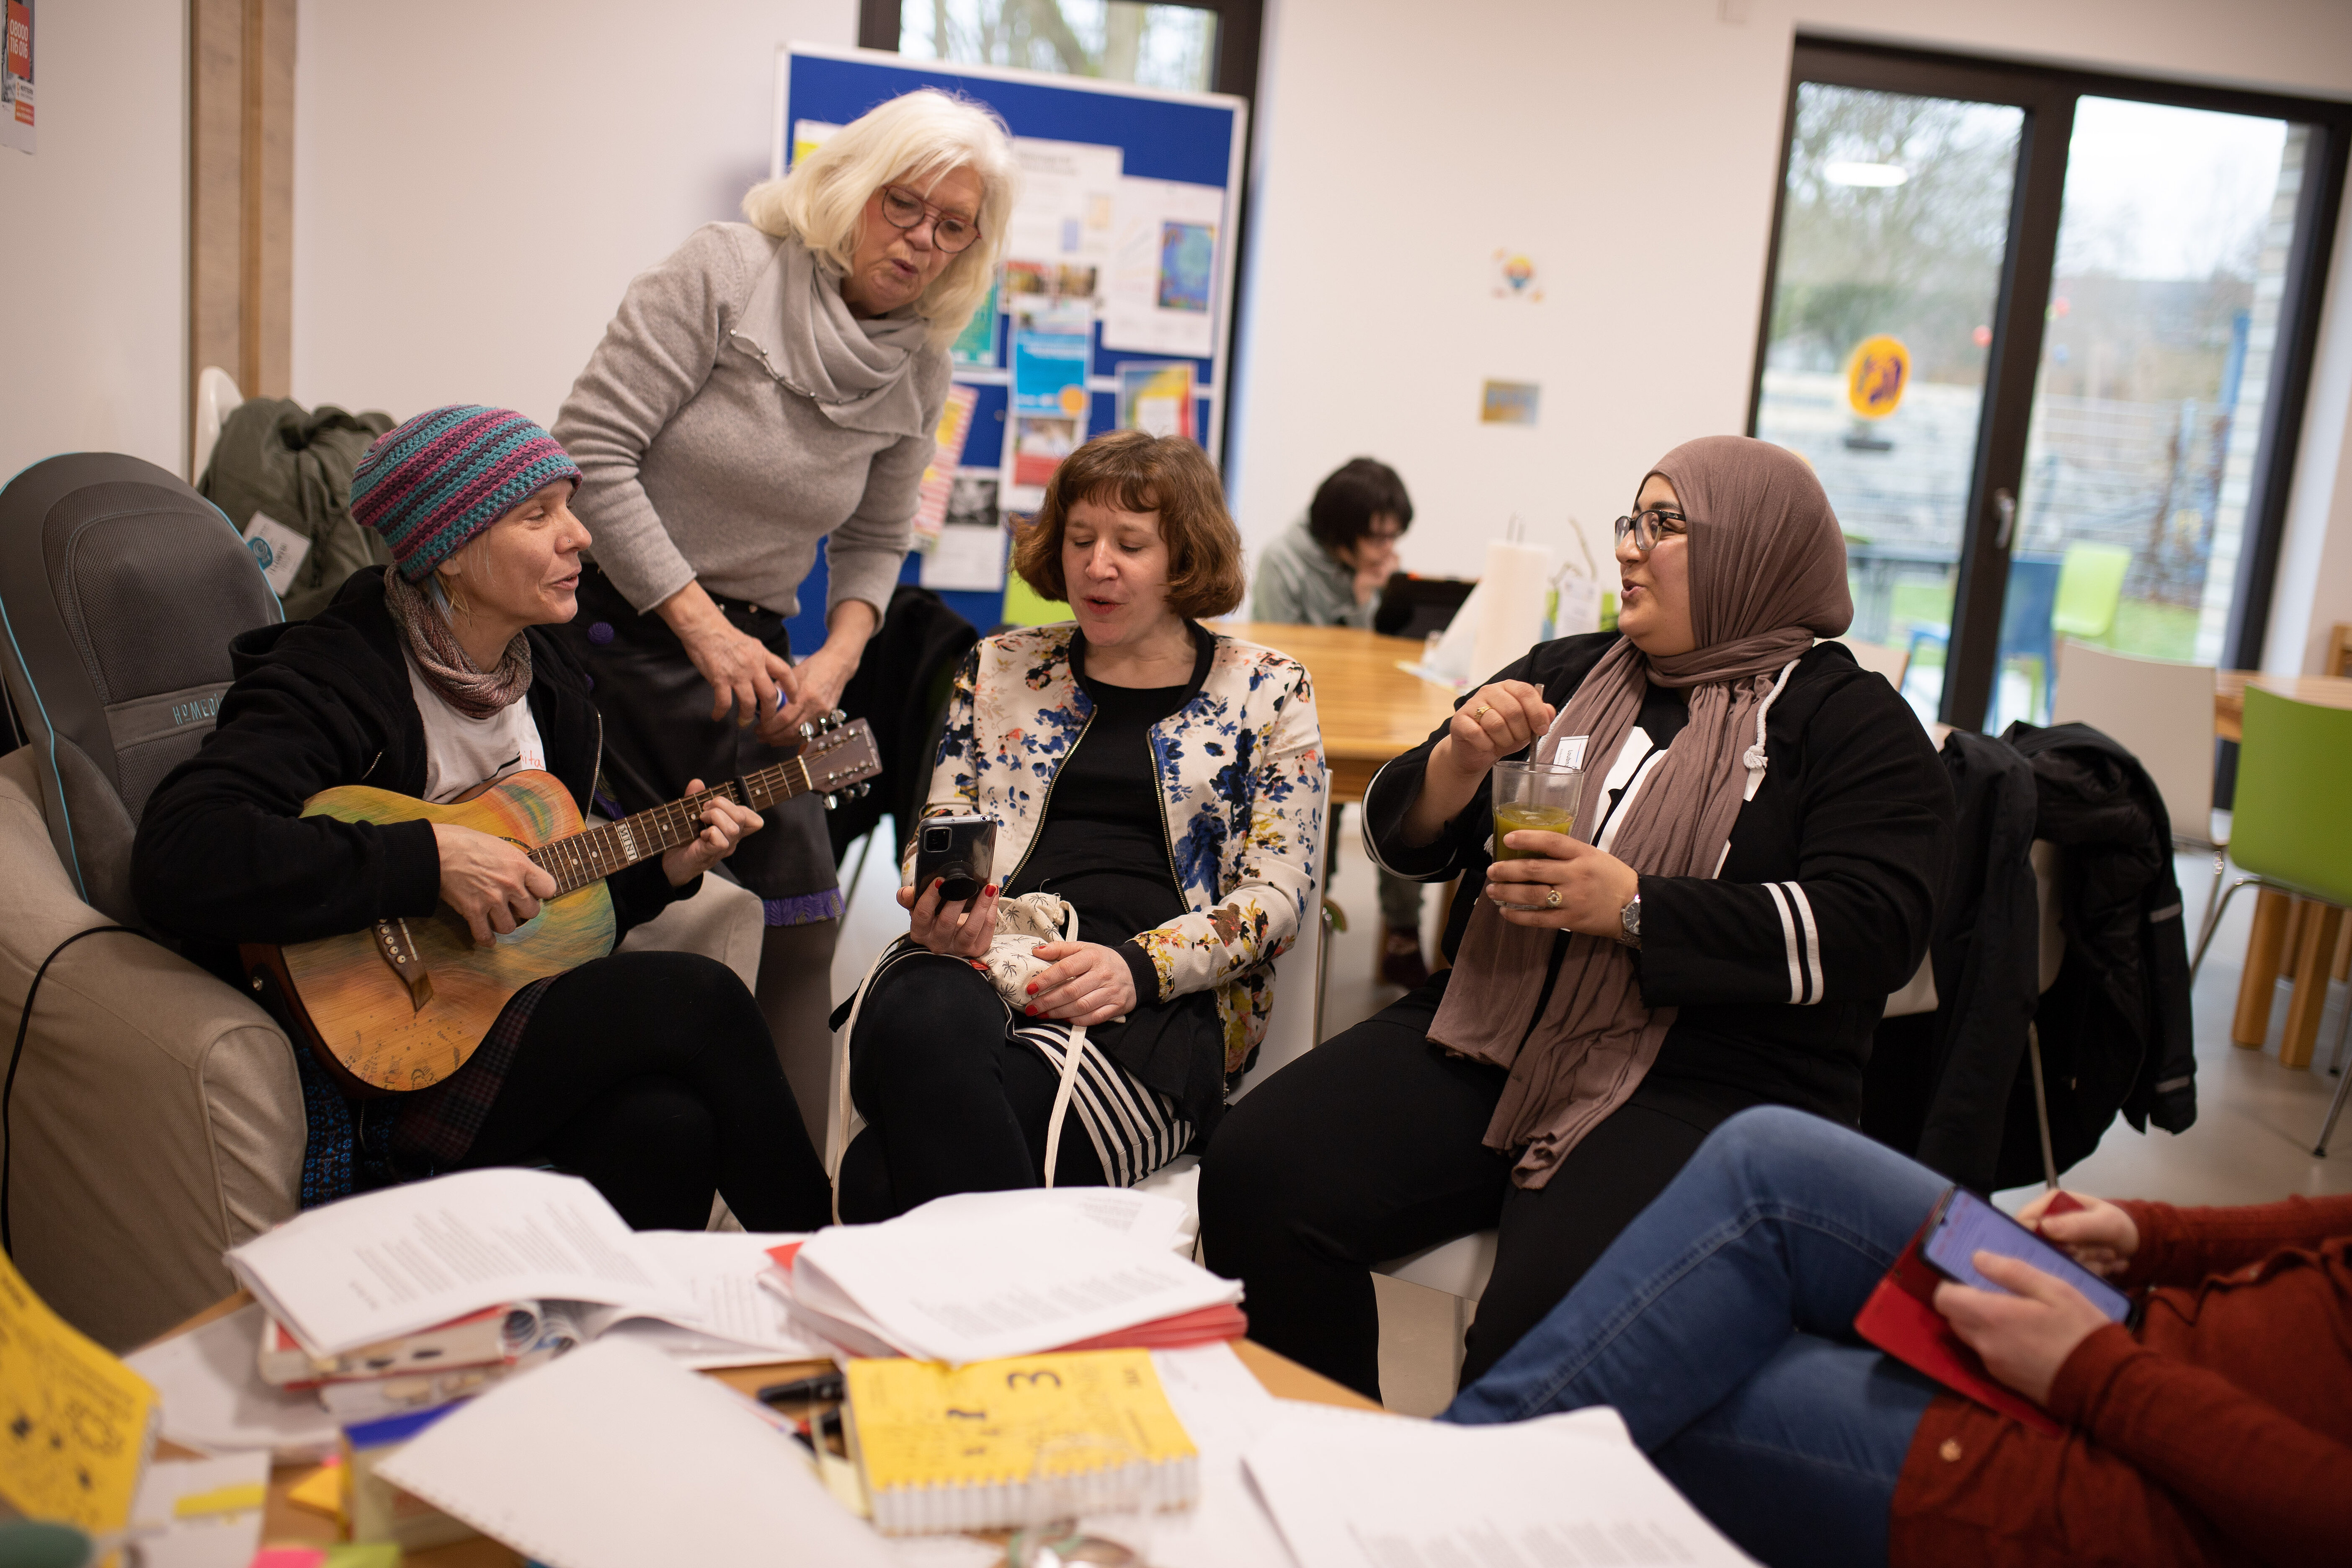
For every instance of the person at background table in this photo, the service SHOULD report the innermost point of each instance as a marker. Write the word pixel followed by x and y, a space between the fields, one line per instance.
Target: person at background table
pixel 1327 570
pixel 1754 867
pixel 2216 1427
pixel 770 386
pixel 1168 782
pixel 649 1074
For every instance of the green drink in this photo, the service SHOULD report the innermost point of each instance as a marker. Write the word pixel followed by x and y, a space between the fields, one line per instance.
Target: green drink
pixel 1541 797
pixel 1522 816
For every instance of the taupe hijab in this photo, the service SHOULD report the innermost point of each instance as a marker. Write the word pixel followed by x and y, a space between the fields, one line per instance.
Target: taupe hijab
pixel 1767 576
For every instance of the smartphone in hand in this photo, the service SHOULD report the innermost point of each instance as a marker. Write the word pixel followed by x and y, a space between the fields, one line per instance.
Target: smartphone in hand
pixel 960 851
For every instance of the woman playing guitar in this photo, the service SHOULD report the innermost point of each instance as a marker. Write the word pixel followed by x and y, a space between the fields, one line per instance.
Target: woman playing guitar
pixel 650 1074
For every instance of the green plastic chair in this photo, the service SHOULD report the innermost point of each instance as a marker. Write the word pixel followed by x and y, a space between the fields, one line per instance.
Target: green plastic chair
pixel 2289 828
pixel 2090 588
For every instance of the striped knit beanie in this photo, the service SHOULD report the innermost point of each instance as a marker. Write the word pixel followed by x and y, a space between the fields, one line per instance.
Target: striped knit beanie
pixel 430 485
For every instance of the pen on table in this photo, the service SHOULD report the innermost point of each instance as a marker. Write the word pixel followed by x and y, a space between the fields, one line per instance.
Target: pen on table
pixel 825 1388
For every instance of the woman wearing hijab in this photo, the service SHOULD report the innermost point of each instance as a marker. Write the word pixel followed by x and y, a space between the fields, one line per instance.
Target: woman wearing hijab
pixel 1753 870
pixel 773 385
pixel 649 1074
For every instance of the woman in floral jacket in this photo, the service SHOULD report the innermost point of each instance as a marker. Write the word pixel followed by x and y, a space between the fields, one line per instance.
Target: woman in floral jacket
pixel 1166 782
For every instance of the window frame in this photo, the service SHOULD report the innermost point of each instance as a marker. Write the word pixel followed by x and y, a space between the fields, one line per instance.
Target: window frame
pixel 2048 95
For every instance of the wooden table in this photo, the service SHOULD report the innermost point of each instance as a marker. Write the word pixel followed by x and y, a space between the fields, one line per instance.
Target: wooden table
pixel 2306 935
pixel 1370 709
pixel 284 1524
pixel 2229 695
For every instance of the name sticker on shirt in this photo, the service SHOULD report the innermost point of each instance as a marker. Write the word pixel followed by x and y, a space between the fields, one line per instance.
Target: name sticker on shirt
pixel 1571 753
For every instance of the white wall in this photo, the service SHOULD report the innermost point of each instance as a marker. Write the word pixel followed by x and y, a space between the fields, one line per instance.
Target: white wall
pixel 2314 585
pixel 1632 150
pixel 94 241
pixel 465 222
pixel 476 183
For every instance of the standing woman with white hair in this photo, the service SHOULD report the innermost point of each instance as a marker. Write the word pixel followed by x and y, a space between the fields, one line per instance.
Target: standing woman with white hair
pixel 773 384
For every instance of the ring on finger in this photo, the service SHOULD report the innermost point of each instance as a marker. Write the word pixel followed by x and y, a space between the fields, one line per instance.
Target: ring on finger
pixel 1551 898
pixel 1484 709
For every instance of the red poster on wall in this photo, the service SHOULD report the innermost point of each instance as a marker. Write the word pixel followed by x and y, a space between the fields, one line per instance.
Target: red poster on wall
pixel 17 79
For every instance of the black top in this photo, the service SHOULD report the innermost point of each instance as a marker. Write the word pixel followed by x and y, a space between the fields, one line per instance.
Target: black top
pixel 1103 845
pixel 224 854
pixel 1780 968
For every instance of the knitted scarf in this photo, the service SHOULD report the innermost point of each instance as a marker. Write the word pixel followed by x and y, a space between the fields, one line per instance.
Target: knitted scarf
pixel 1766 575
pixel 449 669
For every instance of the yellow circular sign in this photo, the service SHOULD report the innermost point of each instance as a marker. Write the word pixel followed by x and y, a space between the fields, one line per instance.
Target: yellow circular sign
pixel 1073 401
pixel 1877 375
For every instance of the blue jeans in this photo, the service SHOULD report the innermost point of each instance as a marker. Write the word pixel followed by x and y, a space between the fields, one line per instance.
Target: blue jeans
pixel 1719 1324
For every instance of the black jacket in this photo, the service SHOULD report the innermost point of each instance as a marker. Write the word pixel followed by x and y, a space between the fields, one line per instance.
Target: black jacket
pixel 2114 1025
pixel 1853 811
pixel 224 854
pixel 1939 1084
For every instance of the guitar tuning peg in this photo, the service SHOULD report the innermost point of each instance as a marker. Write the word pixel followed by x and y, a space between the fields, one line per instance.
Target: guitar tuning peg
pixel 832 802
pixel 808 731
pixel 864 789
pixel 835 717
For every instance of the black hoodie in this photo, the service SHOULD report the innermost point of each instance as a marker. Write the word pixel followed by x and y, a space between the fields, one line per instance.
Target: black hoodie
pixel 224 854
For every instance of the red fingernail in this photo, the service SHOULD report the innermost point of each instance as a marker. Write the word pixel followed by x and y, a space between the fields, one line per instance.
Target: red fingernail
pixel 1032 1008
pixel 1032 991
pixel 990 890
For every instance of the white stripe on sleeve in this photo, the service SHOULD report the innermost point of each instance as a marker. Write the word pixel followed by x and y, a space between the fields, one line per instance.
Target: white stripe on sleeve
pixel 1812 938
pixel 1788 936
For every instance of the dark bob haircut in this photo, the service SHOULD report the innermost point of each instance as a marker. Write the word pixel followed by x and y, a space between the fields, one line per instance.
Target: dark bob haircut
pixel 1357 491
pixel 1136 472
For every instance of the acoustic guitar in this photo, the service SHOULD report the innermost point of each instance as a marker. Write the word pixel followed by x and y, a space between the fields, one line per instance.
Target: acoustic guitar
pixel 401 1005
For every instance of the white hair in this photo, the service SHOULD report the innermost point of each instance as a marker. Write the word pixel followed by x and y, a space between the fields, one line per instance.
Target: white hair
pixel 912 139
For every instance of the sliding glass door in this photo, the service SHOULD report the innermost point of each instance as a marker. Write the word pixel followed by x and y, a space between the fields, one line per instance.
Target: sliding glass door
pixel 2044 337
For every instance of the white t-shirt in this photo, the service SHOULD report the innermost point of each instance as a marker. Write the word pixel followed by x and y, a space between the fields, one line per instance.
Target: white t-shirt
pixel 461 752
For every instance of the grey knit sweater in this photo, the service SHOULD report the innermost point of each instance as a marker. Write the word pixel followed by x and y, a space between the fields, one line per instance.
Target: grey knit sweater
pixel 699 464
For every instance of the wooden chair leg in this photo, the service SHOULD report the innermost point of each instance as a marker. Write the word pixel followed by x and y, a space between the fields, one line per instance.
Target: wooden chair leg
pixel 2265 947
pixel 2313 955
pixel 2342 968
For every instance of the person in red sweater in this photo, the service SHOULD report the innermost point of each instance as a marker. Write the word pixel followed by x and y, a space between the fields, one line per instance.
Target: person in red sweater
pixel 1719 1324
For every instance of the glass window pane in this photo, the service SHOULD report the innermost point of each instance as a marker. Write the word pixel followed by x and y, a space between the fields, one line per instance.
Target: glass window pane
pixel 2164 312
pixel 1157 46
pixel 1893 230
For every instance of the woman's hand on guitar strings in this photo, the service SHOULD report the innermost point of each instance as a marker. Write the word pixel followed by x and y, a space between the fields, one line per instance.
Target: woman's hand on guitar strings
pixel 493 886
pixel 1592 884
pixel 725 824
pixel 957 930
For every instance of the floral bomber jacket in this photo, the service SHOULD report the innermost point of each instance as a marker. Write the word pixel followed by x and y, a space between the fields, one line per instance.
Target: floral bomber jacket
pixel 1240 769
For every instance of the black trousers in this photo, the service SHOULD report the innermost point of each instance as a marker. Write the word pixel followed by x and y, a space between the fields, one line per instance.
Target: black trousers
pixel 953 1102
pixel 650 1074
pixel 1371 1146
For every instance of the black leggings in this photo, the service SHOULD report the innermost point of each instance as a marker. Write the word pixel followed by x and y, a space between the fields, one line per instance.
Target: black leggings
pixel 650 1074
pixel 1371 1146
pixel 953 1102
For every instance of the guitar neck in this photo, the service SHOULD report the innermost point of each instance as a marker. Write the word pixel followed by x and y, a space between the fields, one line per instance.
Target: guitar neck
pixel 595 853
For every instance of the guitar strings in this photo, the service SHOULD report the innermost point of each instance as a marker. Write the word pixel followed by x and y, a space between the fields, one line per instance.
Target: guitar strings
pixel 594 853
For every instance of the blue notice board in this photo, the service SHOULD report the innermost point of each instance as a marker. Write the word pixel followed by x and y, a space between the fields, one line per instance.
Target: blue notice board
pixel 1189 139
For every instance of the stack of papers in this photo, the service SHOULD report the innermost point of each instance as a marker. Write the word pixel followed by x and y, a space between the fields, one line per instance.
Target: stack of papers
pixel 1352 1491
pixel 395 1263
pixel 981 1276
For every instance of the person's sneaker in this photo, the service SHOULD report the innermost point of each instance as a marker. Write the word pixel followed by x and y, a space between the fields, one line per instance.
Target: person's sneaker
pixel 1400 960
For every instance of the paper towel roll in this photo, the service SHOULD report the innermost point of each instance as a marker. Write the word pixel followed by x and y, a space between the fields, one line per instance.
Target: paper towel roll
pixel 1518 578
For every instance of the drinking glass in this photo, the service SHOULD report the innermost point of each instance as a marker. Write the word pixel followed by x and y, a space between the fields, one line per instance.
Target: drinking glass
pixel 1534 797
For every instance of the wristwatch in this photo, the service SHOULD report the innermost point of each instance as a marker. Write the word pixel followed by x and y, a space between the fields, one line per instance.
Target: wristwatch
pixel 1630 919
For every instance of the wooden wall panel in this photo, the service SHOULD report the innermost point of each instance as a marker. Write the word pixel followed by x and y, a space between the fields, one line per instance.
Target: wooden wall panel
pixel 241 192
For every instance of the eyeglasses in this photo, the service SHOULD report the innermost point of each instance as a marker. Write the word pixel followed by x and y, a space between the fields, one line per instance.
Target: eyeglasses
pixel 950 232
pixel 1649 526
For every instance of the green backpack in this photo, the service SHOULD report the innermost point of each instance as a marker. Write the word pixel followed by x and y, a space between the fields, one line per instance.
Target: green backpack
pixel 284 478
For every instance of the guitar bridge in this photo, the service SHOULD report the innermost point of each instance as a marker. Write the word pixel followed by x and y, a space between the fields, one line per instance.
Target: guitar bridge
pixel 398 949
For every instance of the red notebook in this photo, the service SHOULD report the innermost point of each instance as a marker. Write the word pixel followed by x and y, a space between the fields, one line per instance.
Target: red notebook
pixel 1900 1318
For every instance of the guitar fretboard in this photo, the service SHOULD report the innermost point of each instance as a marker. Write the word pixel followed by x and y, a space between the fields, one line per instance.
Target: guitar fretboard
pixel 595 853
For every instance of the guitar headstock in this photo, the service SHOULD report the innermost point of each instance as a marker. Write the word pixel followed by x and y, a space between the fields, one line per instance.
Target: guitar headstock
pixel 840 755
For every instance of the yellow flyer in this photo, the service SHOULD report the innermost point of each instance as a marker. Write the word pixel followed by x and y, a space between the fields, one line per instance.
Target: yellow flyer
pixel 76 1425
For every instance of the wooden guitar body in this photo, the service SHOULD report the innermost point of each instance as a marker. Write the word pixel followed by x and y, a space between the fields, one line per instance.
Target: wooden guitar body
pixel 376 1037
pixel 402 1005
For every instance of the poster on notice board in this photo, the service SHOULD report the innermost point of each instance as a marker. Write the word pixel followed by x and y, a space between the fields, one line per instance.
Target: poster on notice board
pixel 16 79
